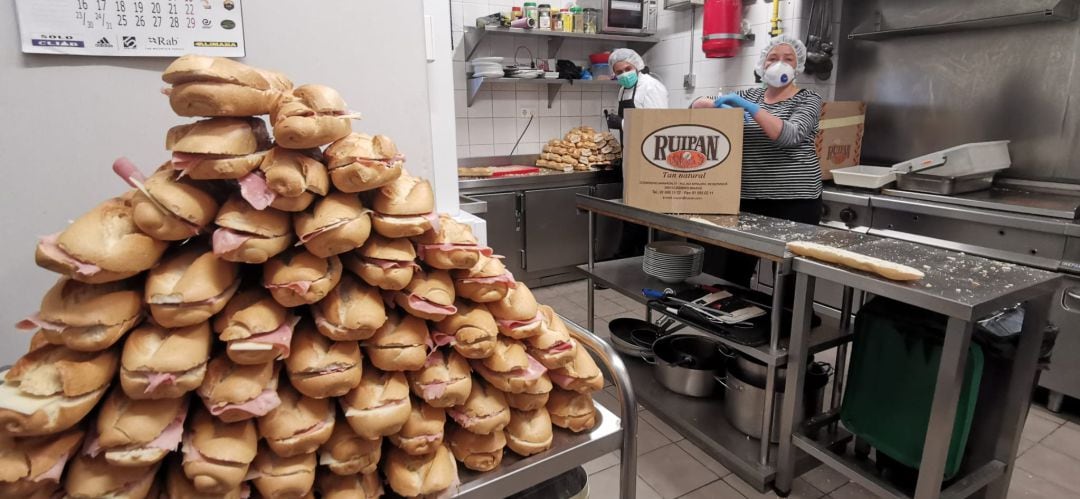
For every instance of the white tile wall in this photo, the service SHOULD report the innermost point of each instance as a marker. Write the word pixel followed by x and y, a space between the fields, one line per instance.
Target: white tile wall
pixel 493 123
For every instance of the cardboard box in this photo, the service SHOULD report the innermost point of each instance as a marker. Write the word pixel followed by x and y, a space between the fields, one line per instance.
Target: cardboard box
pixel 683 160
pixel 839 140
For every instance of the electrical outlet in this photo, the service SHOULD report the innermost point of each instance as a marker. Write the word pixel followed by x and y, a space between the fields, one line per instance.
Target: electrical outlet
pixel 525 112
pixel 689 80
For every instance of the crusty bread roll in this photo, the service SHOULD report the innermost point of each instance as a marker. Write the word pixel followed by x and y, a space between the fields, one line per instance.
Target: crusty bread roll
pixel 52 388
pixel 401 344
pixel 352 311
pixel 352 486
pixel 509 368
pixel 234 392
pixel 297 177
pixel 217 454
pixel 30 468
pixel 333 225
pixel 189 286
pixel 380 405
pixel 256 328
pixel 487 281
pixel 170 209
pixel 534 396
pixel 359 162
pixel 137 432
pixel 87 317
pixel 473 329
pixel 553 347
pixel 299 425
pixel 321 368
pixel 581 375
pixel 444 381
pixel 310 116
pixel 160 363
pixel 529 432
pixel 517 314
pixel 424 475
pixel 95 478
pixel 247 235
pixel 429 296
pixel 572 410
pixel 386 263
pixel 297 277
pixel 423 431
pixel 218 148
pixel 103 245
pixel 176 485
pixel 484 412
pixel 450 245
pixel 884 268
pixel 477 452
pixel 404 207
pixel 216 86
pixel 277 477
pixel 347 453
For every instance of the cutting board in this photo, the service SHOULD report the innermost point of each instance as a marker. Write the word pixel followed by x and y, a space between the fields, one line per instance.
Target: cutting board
pixel 497 171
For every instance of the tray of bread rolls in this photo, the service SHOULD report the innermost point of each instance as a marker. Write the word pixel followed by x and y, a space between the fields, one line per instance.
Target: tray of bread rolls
pixel 277 311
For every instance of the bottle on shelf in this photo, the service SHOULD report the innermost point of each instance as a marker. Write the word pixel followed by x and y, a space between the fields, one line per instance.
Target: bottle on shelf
pixel 544 17
pixel 566 21
pixel 531 12
pixel 579 19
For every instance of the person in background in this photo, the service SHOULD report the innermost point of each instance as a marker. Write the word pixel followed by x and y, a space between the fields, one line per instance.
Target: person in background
pixel 639 90
pixel 781 176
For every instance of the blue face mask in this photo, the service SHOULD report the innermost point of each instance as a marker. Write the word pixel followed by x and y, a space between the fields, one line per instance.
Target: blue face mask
pixel 628 79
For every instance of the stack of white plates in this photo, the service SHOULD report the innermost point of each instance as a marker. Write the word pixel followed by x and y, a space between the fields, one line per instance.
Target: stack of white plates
pixel 673 261
pixel 488 67
pixel 524 73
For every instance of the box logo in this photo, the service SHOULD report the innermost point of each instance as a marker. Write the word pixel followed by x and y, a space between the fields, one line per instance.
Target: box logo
pixel 39 42
pixel 838 153
pixel 129 42
pixel 217 44
pixel 686 148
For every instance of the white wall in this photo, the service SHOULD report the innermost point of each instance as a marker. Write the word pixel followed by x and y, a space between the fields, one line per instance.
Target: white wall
pixel 670 58
pixel 492 124
pixel 68 117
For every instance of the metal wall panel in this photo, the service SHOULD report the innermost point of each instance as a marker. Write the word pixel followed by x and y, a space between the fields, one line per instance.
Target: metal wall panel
pixel 930 92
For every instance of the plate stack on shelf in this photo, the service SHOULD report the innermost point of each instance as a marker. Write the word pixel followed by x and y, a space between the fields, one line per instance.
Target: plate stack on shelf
pixel 487 67
pixel 522 72
pixel 673 261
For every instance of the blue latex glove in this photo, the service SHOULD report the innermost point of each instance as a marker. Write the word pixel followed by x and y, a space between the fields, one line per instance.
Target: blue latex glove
pixel 735 100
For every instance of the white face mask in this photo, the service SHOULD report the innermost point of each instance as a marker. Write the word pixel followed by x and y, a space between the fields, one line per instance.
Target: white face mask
pixel 779 75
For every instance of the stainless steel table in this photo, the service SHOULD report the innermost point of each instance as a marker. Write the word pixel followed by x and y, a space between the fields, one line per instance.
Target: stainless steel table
pixel 962 287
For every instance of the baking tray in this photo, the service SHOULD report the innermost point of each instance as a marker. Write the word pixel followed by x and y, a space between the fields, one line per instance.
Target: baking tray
pixel 945 185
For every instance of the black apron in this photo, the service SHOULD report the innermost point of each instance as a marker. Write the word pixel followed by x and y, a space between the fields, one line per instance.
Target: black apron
pixel 624 105
pixel 634 237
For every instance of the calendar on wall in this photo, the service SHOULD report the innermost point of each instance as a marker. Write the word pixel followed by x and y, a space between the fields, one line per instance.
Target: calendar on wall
pixel 145 28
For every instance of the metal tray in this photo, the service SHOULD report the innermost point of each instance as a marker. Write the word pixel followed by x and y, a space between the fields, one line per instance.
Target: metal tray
pixel 945 185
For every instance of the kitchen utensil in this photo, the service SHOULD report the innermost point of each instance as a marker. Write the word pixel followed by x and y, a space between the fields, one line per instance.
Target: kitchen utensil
pixel 945 185
pixel 965 159
pixel 688 364
pixel 866 177
pixel 744 403
pixel 755 372
pixel 673 261
pixel 634 334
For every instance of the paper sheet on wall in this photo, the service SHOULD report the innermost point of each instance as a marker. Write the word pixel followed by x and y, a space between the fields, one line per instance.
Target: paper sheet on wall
pixel 145 28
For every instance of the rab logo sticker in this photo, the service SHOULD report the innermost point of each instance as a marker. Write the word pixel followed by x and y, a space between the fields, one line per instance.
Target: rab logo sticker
pixel 686 148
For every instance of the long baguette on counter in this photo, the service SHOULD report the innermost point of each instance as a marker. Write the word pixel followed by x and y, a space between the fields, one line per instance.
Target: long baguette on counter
pixel 884 268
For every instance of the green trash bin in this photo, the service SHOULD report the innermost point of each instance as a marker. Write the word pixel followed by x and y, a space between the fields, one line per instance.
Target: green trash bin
pixel 894 364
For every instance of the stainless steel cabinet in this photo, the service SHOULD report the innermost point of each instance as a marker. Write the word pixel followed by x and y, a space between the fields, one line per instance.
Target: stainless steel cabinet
pixel 556 234
pixel 608 230
pixel 505 228
pixel 1063 376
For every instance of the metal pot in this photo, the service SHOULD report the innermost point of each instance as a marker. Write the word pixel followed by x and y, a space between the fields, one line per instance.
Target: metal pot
pixel 744 403
pixel 688 364
pixel 755 372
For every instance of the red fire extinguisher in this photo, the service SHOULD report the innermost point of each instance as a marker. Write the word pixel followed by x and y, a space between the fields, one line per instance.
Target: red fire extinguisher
pixel 722 29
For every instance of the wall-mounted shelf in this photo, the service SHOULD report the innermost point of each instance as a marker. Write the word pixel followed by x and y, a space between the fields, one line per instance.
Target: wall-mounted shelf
pixel 553 86
pixel 473 37
pixel 1064 10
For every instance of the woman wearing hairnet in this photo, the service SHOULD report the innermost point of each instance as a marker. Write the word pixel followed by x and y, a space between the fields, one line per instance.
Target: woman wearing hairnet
pixel 781 176
pixel 639 91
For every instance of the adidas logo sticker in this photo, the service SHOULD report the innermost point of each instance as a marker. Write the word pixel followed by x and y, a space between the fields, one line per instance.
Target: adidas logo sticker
pixel 103 43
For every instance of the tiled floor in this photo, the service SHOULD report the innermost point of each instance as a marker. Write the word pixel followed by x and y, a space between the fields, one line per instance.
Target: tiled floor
pixel 671 467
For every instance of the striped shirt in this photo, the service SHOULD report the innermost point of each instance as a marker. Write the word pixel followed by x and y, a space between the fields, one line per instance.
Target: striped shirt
pixel 772 171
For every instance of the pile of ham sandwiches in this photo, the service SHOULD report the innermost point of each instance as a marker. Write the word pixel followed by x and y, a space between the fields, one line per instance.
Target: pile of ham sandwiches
pixel 278 311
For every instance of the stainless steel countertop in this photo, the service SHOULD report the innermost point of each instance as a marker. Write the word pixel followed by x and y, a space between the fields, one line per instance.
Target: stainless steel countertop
pixel 544 180
pixel 1024 198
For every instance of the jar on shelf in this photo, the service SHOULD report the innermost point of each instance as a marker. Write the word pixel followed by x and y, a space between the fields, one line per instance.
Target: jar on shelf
pixel 592 21
pixel 567 24
pixel 515 14
pixel 579 19
pixel 532 12
pixel 544 20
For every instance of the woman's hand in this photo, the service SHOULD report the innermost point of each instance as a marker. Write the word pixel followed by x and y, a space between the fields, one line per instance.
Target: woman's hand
pixel 702 103
pixel 736 100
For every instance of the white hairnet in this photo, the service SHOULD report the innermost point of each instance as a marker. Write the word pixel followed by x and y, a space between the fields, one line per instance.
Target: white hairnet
pixel 632 57
pixel 795 43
